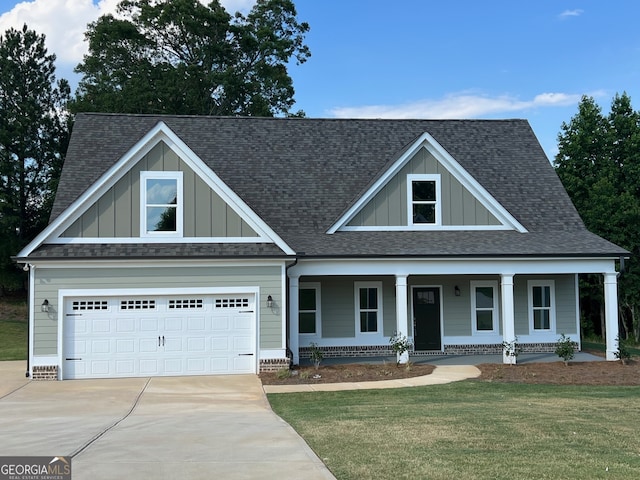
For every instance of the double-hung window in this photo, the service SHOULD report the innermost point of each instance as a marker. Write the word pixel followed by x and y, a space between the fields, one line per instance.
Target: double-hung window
pixel 423 198
pixel 309 308
pixel 368 306
pixel 161 204
pixel 542 305
pixel 484 307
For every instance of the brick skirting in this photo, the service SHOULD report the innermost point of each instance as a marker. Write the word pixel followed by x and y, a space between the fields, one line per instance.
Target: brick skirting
pixel 383 350
pixel 44 372
pixel 274 364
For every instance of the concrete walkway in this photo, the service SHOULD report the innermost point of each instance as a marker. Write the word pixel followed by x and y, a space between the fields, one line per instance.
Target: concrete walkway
pixel 441 374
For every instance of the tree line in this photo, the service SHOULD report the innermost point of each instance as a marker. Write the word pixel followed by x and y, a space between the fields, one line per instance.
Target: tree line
pixel 153 56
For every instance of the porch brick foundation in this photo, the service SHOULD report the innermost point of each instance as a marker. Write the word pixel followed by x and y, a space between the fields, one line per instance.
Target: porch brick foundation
pixel 274 364
pixel 361 351
pixel 44 372
pixel 384 351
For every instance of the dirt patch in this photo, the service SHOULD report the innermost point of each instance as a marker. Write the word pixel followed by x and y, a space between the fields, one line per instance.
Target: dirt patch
pixel 353 372
pixel 555 373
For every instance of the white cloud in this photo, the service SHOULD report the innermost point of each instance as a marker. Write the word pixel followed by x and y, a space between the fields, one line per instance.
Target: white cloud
pixel 461 105
pixel 64 22
pixel 571 13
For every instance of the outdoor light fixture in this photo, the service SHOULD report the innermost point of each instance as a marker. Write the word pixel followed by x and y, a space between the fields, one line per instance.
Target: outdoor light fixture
pixel 456 290
pixel 45 306
pixel 269 301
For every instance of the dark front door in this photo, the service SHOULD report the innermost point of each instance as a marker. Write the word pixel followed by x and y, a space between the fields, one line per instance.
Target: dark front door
pixel 426 318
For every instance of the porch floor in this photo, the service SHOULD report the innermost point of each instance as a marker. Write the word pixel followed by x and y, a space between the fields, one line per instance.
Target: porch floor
pixel 458 359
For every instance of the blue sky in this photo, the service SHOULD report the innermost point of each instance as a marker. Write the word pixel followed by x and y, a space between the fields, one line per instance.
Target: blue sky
pixel 427 59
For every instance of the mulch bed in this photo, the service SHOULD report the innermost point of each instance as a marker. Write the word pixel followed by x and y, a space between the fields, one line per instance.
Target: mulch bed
pixel 352 372
pixel 556 373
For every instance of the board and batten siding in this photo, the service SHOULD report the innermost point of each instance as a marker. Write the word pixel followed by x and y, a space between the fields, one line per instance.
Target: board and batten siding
pixel 117 213
pixel 389 206
pixel 49 281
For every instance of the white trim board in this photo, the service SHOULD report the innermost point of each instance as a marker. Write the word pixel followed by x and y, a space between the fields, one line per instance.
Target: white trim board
pixel 426 141
pixel 161 132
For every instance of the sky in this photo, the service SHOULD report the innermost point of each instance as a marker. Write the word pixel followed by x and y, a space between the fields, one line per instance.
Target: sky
pixel 531 59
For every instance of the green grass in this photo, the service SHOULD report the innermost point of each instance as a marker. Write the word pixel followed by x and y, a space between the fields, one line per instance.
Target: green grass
pixel 602 347
pixel 13 329
pixel 471 430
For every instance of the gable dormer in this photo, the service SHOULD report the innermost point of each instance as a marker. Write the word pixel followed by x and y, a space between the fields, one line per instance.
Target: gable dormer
pixel 426 189
pixel 160 197
pixel 159 191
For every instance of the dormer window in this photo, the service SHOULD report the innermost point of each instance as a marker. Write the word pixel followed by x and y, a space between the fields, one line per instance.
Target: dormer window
pixel 161 203
pixel 423 192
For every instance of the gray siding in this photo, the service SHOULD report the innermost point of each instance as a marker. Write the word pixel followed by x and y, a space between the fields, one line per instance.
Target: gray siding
pixel 389 206
pixel 338 307
pixel 50 280
pixel 117 212
pixel 565 295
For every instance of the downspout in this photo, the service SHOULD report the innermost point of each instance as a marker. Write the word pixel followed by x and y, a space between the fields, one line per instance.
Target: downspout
pixel 288 319
pixel 29 268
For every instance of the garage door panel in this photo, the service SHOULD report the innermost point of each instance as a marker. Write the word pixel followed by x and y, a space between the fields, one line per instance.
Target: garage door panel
pixel 127 345
pixel 125 325
pixel 159 336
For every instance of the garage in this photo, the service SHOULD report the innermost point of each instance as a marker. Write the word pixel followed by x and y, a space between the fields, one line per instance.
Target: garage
pixel 159 335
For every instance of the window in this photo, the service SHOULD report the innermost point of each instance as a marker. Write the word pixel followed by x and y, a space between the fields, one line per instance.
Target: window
pixel 161 203
pixel 484 307
pixel 368 307
pixel 309 308
pixel 137 304
pixel 423 192
pixel 542 306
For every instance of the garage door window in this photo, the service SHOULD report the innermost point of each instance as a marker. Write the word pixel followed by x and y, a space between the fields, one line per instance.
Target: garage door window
pixel 85 305
pixel 185 303
pixel 232 302
pixel 137 304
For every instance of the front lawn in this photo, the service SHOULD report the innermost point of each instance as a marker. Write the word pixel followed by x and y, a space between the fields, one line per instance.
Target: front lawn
pixel 471 430
pixel 13 329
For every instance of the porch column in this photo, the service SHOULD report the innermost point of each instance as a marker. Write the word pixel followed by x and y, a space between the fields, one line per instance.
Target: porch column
pixel 402 314
pixel 294 337
pixel 508 314
pixel 611 313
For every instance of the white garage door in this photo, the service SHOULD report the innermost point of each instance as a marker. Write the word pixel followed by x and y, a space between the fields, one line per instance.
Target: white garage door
pixel 107 337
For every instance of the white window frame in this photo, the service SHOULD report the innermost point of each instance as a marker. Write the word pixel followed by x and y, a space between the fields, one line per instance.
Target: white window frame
pixel 438 202
pixel 495 309
pixel 151 175
pixel 552 304
pixel 316 287
pixel 356 290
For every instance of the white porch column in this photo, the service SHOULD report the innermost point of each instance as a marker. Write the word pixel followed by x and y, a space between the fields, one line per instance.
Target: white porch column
pixel 508 314
pixel 611 313
pixel 294 329
pixel 402 314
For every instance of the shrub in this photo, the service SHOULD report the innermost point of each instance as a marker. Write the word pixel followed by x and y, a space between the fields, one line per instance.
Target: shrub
pixel 512 349
pixel 565 348
pixel 316 354
pixel 623 353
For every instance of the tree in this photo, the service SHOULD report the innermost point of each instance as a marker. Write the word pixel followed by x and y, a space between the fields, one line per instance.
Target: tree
pixel 182 57
pixel 599 164
pixel 34 131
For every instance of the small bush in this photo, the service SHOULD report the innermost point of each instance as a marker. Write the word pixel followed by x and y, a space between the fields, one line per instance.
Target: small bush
pixel 623 353
pixel 565 348
pixel 316 354
pixel 283 373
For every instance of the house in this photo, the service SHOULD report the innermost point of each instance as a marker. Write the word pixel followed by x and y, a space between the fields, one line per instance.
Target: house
pixel 184 245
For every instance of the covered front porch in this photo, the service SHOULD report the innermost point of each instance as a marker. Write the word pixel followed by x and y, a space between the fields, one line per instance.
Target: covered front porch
pixel 445 308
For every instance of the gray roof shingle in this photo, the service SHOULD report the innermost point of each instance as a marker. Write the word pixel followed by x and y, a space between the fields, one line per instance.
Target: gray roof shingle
pixel 300 175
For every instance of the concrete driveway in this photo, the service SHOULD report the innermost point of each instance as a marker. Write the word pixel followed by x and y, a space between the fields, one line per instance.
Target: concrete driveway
pixel 152 428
